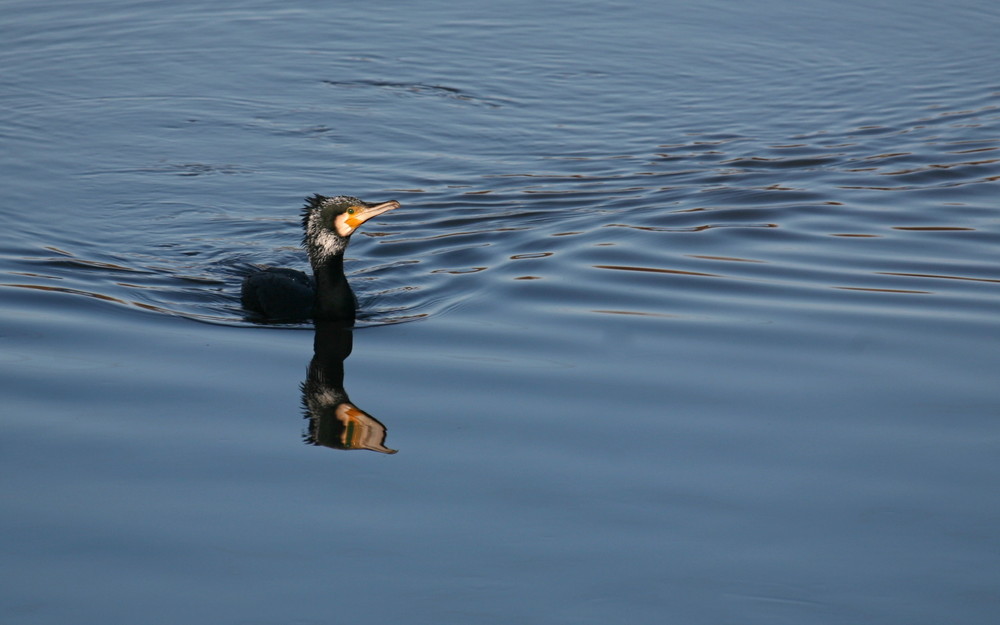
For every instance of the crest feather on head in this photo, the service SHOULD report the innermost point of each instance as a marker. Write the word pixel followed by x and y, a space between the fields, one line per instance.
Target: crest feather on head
pixel 321 239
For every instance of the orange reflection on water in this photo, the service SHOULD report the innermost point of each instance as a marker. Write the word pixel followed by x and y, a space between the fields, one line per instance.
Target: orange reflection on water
pixel 933 228
pixel 874 290
pixel 656 270
pixel 636 313
pixel 726 258
pixel 941 277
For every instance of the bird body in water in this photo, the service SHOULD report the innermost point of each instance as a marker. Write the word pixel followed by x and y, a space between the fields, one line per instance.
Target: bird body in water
pixel 288 295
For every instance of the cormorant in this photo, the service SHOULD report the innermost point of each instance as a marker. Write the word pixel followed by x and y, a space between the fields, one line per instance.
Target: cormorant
pixel 280 294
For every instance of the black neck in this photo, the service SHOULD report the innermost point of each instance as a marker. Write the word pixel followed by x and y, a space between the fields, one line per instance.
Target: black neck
pixel 334 297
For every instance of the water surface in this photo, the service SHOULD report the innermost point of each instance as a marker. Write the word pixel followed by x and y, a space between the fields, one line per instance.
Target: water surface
pixel 690 313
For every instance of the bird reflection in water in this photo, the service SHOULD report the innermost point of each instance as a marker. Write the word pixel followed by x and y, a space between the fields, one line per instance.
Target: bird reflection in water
pixel 333 420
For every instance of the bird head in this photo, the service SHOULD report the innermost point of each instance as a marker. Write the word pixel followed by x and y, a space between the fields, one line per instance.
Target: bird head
pixel 329 222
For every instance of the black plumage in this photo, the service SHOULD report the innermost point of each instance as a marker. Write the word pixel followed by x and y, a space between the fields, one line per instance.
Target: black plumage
pixel 279 294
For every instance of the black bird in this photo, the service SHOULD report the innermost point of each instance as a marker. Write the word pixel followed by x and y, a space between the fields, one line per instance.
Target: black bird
pixel 280 294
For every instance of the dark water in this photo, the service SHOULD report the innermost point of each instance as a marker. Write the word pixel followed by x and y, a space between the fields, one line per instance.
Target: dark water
pixel 690 314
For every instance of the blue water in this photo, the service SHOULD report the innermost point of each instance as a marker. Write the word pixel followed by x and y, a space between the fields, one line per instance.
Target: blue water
pixel 690 313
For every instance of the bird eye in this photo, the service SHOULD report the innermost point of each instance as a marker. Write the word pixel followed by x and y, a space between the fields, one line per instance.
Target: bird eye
pixel 350 211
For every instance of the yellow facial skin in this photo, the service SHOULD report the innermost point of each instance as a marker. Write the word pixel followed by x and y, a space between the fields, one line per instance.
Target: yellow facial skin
pixel 351 220
pixel 348 221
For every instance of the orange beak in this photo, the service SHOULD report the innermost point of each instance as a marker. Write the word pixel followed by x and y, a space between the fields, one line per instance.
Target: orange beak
pixel 364 213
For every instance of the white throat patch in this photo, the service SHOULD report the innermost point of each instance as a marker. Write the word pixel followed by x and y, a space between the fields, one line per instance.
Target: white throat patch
pixel 323 241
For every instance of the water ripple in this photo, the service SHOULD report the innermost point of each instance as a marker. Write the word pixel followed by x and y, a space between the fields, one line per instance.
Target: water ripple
pixel 804 213
pixel 418 89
